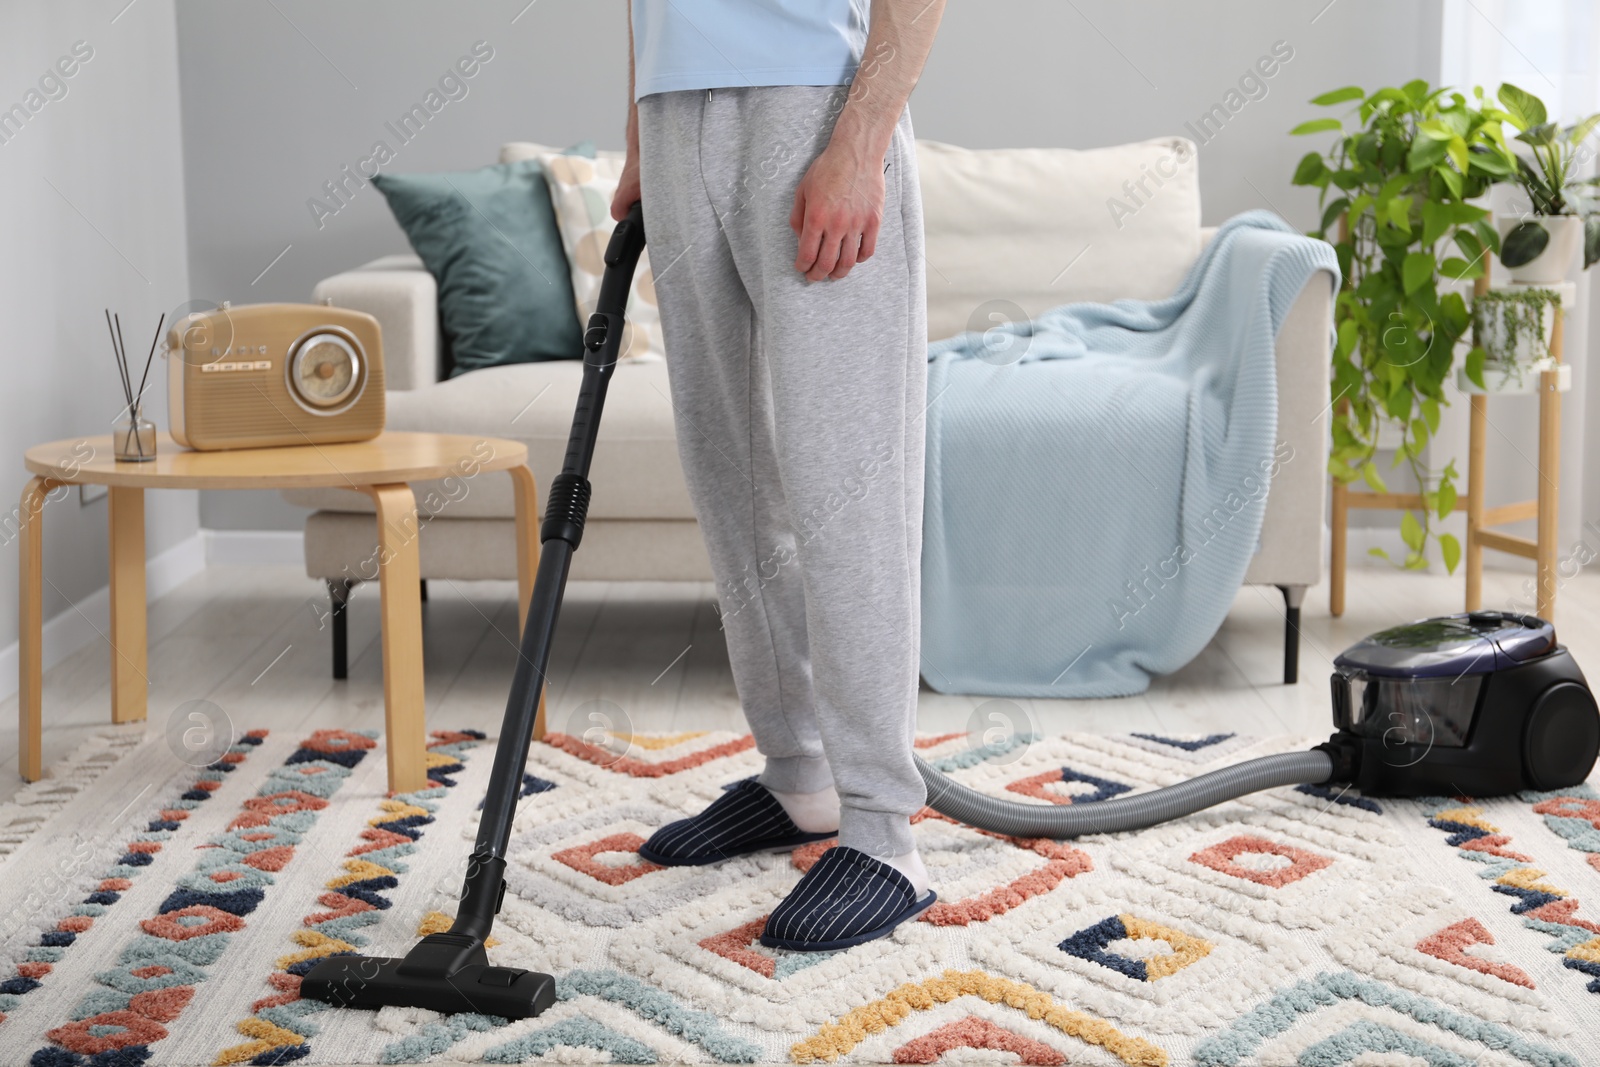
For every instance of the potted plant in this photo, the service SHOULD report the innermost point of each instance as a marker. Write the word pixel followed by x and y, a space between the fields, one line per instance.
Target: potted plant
pixel 1401 175
pixel 1511 331
pixel 1540 246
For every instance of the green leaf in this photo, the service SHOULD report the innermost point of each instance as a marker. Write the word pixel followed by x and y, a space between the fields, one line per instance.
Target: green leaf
pixel 1541 135
pixel 1447 500
pixel 1456 120
pixel 1416 561
pixel 1425 152
pixel 1310 169
pixel 1450 549
pixel 1458 268
pixel 1411 532
pixel 1485 161
pixel 1591 240
pixel 1582 128
pixel 1488 235
pixel 1469 244
pixel 1331 213
pixel 1416 90
pixel 1525 109
pixel 1430 414
pixel 1316 126
pixel 1435 220
pixel 1452 179
pixel 1399 212
pixel 1376 551
pixel 1474 367
pixel 1388 95
pixel 1523 244
pixel 1339 96
pixel 1458 153
pixel 1399 405
pixel 1392 187
pixel 1349 332
pixel 1370 475
pixel 1417 270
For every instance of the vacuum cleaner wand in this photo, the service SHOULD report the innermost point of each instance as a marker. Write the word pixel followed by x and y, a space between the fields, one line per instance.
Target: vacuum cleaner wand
pixel 450 971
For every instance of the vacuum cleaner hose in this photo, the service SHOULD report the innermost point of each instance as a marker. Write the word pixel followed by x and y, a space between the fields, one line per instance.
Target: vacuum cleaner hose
pixel 1014 819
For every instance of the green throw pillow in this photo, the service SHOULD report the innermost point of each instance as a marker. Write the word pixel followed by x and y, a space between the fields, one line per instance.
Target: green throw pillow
pixel 489 238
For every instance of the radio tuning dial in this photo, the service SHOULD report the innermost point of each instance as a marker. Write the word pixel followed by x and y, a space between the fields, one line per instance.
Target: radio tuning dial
pixel 324 370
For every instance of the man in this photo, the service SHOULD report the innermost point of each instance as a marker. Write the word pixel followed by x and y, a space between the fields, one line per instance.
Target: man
pixel 771 146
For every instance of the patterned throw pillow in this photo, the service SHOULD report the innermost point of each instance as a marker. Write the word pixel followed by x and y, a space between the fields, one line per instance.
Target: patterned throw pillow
pixel 581 191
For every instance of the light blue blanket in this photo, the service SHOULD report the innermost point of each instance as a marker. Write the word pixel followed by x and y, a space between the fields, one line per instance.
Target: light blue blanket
pixel 1092 505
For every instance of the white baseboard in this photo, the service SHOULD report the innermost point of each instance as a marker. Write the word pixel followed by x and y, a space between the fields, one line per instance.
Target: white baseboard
pixel 87 619
pixel 284 547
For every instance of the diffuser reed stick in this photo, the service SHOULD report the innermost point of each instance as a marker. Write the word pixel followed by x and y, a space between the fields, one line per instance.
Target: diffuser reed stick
pixel 136 439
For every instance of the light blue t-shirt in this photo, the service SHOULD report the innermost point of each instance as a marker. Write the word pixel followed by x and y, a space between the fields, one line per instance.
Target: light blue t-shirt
pixel 716 44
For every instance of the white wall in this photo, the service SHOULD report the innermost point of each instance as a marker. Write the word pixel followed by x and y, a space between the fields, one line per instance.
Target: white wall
pixel 93 216
pixel 269 124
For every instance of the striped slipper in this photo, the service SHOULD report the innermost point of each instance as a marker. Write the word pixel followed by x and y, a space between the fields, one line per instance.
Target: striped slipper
pixel 846 898
pixel 745 819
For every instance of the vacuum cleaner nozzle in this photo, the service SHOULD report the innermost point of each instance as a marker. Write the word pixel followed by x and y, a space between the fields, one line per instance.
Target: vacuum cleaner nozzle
pixel 443 972
pixel 446 972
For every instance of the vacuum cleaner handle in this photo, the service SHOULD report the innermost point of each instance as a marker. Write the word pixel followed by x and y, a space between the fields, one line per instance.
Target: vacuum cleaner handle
pixel 559 535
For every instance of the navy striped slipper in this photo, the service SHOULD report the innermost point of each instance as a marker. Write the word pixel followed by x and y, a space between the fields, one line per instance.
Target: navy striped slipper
pixel 847 898
pixel 745 819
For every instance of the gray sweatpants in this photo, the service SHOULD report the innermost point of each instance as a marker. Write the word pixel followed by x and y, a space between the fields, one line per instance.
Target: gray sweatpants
pixel 799 410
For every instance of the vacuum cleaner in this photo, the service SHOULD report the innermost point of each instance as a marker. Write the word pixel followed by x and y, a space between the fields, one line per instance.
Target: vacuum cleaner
pixel 1481 703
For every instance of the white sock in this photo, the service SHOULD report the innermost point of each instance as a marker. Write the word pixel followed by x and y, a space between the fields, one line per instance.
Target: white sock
pixel 813 813
pixel 910 865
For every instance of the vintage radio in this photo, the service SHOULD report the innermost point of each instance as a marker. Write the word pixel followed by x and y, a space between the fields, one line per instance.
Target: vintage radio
pixel 274 374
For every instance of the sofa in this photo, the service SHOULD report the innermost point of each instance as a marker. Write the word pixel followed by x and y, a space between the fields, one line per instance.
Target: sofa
pixel 1009 233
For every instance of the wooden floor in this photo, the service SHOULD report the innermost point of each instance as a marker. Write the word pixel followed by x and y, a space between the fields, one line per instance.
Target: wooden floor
pixel 649 656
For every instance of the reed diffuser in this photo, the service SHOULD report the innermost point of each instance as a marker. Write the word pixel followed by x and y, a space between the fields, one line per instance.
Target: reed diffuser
pixel 133 437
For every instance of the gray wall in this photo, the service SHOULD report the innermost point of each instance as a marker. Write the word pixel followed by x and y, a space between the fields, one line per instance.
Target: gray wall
pixel 93 217
pixel 268 124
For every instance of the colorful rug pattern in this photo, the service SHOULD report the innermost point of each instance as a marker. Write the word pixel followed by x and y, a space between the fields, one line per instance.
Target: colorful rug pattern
pixel 1301 926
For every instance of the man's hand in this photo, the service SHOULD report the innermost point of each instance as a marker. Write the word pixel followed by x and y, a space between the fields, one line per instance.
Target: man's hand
pixel 627 193
pixel 839 204
pixel 627 186
pixel 838 209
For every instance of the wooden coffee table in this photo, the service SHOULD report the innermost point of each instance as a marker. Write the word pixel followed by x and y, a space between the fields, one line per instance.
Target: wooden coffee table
pixel 383 468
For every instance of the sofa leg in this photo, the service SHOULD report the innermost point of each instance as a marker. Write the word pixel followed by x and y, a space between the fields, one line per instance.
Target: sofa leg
pixel 1293 596
pixel 424 590
pixel 339 595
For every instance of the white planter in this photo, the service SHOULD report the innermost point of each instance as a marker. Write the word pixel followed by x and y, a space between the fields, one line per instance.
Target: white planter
pixel 1556 261
pixel 1527 347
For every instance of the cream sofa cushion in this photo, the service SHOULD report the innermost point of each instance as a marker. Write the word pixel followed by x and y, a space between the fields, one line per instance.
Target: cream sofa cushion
pixel 1038 227
pixel 636 472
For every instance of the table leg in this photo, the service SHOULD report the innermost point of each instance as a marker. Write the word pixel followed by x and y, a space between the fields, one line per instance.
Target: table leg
pixel 400 584
pixel 1549 489
pixel 30 626
pixel 526 492
pixel 130 680
pixel 1477 431
pixel 1340 523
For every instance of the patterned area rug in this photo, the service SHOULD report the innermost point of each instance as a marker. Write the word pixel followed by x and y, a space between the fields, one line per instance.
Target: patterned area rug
pixel 157 913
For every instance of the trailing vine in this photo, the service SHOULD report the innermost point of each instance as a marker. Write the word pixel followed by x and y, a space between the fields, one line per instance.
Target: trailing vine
pixel 1501 320
pixel 1400 178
